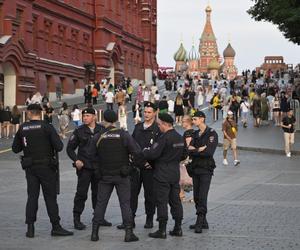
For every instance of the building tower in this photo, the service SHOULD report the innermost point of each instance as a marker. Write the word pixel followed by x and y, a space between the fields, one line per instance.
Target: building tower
pixel 180 59
pixel 193 61
pixel 228 69
pixel 208 47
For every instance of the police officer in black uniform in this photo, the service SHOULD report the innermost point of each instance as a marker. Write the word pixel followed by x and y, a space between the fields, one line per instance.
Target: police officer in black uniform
pixel 85 162
pixel 38 140
pixel 114 147
pixel 167 153
pixel 145 134
pixel 201 169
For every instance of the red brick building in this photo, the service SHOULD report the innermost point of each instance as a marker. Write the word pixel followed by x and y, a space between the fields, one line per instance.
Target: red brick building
pixel 46 45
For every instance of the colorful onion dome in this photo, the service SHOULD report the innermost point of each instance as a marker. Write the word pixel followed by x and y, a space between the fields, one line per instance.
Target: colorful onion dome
pixel 180 55
pixel 193 55
pixel 229 51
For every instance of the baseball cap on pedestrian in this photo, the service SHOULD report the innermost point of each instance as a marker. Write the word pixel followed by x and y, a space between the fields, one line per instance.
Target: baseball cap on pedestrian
pixel 199 114
pixel 34 107
pixel 89 111
pixel 166 118
pixel 110 116
pixel 151 105
pixel 229 112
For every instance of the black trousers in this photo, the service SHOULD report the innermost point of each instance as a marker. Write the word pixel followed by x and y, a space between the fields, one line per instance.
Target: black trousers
pixel 201 184
pixel 106 185
pixel 167 193
pixel 145 178
pixel 86 177
pixel 46 177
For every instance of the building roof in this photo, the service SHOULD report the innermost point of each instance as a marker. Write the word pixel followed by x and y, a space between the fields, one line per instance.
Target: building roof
pixel 229 51
pixel 180 55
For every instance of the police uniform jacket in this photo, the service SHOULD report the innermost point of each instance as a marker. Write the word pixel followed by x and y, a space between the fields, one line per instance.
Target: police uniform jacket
pixel 166 153
pixel 83 139
pixel 145 138
pixel 113 149
pixel 38 140
pixel 208 138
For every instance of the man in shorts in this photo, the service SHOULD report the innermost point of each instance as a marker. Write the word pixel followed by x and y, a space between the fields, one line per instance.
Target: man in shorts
pixel 229 128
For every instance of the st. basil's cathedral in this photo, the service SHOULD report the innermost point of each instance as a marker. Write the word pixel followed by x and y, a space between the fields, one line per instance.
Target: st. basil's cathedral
pixel 207 59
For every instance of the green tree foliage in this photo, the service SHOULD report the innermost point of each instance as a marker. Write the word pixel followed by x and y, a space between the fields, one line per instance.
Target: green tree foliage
pixel 283 13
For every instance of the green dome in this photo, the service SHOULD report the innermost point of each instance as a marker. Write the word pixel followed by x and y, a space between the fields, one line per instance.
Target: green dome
pixel 214 64
pixel 180 55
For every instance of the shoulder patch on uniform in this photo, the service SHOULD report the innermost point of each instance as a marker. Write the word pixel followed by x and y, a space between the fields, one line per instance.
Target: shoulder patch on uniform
pixel 178 145
pixel 211 138
pixel 155 145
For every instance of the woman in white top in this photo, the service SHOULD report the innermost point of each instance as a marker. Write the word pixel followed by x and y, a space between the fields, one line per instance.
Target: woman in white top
pixel 76 115
pixel 147 95
pixel 276 110
pixel 245 107
pixel 209 94
pixel 122 114
pixel 200 98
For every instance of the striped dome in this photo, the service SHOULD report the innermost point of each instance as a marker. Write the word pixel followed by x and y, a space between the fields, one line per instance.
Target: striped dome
pixel 180 55
pixel 193 55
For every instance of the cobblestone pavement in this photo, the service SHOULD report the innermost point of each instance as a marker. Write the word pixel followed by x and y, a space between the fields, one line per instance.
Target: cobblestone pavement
pixel 253 206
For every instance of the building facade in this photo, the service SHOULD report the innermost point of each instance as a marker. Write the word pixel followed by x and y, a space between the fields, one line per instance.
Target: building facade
pixel 56 46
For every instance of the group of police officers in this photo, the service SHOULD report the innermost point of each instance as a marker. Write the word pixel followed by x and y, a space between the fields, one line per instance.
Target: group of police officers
pixel 106 157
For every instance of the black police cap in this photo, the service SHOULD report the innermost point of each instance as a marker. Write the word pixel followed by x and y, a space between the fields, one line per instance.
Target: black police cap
pixel 34 107
pixel 150 105
pixel 199 114
pixel 166 118
pixel 89 111
pixel 110 116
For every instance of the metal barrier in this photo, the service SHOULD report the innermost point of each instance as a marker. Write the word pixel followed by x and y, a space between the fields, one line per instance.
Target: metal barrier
pixel 295 105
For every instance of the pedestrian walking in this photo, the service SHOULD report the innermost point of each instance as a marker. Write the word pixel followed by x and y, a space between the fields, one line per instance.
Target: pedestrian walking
pixel 229 128
pixel 114 172
pixel 15 119
pixel 178 109
pixel 38 141
pixel 288 126
pixel 201 168
pixel 109 99
pixel 84 161
pixel 122 116
pixel 245 108
pixel 166 153
pixel 76 115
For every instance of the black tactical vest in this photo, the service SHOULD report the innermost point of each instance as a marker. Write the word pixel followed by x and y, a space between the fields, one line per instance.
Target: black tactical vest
pixel 36 140
pixel 113 155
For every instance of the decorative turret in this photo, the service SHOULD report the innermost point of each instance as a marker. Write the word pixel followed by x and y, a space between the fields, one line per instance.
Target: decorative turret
pixel 228 68
pixel 214 65
pixel 229 51
pixel 180 55
pixel 208 47
pixel 193 55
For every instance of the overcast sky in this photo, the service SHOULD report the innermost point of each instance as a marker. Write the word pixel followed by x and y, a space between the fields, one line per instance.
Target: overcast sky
pixel 251 40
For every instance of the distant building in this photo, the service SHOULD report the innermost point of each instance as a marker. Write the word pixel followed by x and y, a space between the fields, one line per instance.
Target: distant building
pixel 55 46
pixel 207 59
pixel 273 64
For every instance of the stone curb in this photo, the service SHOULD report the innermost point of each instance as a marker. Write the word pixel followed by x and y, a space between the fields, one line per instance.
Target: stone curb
pixel 263 150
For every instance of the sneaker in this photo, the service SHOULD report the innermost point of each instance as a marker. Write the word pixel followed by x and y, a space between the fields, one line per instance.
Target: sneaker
pixel 288 154
pixel 236 162
pixel 225 162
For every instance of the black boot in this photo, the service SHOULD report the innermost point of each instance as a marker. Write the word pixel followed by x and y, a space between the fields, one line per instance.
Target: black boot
pixel 77 223
pixel 149 221
pixel 30 230
pixel 161 232
pixel 129 235
pixel 177 231
pixel 122 226
pixel 57 230
pixel 105 223
pixel 204 225
pixel 95 232
pixel 199 223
